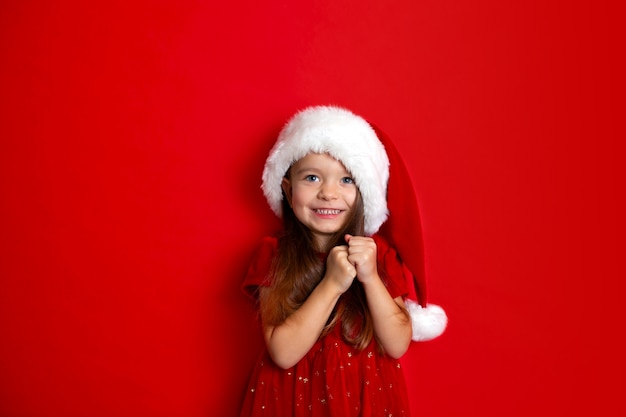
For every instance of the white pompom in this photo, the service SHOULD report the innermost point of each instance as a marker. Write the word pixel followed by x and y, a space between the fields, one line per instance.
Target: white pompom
pixel 428 323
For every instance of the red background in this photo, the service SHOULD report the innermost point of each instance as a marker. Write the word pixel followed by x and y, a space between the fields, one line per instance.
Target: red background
pixel 133 136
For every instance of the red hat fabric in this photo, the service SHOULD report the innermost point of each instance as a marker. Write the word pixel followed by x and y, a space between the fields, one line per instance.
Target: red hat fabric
pixel 403 229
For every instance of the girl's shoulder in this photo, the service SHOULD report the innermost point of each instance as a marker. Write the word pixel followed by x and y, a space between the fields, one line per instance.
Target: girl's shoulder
pixel 396 274
pixel 269 242
pixel 266 248
pixel 383 247
pixel 381 242
pixel 258 273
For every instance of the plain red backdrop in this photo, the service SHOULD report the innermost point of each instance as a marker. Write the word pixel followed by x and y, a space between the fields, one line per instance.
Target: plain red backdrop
pixel 132 139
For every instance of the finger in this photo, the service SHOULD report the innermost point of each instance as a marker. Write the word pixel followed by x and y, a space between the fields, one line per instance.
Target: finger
pixel 351 271
pixel 339 249
pixel 360 240
pixel 360 245
pixel 361 255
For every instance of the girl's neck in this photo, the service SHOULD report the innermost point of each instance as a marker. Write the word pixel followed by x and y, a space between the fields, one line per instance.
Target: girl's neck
pixel 320 243
pixel 324 243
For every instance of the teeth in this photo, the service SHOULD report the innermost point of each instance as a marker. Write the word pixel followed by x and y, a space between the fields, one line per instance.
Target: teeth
pixel 324 211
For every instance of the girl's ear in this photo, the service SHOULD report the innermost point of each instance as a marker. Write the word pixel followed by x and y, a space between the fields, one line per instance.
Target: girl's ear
pixel 286 186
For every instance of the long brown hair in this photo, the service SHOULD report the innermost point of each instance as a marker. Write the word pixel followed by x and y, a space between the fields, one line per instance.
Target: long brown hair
pixel 297 270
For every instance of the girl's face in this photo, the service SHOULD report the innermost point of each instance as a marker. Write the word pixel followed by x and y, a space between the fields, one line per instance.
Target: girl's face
pixel 321 193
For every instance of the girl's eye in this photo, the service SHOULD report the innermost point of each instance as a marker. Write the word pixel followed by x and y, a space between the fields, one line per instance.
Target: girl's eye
pixel 311 178
pixel 347 180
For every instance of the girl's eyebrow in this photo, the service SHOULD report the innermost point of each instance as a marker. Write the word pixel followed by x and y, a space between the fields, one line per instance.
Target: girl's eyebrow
pixel 306 168
pixel 316 170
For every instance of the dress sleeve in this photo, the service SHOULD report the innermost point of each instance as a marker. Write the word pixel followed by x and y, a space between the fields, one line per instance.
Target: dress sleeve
pixel 260 266
pixel 394 273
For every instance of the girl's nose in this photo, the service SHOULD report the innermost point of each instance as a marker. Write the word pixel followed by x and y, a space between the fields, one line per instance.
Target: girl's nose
pixel 327 191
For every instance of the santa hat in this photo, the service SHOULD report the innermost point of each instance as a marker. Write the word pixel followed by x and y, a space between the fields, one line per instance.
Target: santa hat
pixel 387 196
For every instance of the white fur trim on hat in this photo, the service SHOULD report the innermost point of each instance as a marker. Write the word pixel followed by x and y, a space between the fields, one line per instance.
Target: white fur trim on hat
pixel 344 136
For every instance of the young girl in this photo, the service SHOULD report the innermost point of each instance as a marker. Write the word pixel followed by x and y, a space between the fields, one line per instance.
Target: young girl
pixel 330 290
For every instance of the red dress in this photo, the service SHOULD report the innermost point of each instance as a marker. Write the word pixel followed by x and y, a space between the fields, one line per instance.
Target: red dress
pixel 333 379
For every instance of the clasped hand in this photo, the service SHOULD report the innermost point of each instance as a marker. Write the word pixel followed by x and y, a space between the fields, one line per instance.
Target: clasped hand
pixel 357 259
